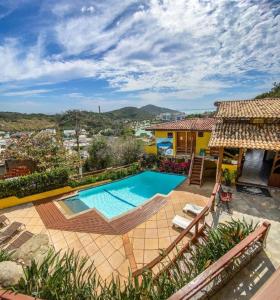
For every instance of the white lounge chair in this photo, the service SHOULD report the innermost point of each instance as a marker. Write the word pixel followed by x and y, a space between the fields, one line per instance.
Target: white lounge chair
pixel 195 209
pixel 181 222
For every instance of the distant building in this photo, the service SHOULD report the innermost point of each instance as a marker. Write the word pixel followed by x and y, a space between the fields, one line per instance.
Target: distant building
pixel 50 130
pixel 171 116
pixel 69 132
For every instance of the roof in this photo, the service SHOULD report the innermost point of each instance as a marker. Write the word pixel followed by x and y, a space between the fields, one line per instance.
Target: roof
pixel 245 135
pixel 198 124
pixel 258 108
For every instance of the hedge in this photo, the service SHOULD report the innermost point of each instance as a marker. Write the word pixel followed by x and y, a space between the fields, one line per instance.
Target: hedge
pixel 113 175
pixel 34 183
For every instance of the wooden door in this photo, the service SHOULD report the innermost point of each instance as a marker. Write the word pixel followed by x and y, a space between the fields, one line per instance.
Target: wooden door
pixel 191 141
pixel 181 142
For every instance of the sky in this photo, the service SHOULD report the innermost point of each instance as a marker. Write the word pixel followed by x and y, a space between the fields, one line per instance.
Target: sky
pixel 182 54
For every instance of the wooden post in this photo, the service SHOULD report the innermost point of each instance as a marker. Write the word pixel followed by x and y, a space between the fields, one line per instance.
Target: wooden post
pixel 219 163
pixel 240 156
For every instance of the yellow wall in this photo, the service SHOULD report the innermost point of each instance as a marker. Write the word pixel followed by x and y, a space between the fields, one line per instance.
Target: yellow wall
pixel 150 149
pixel 231 168
pixel 14 201
pixel 201 142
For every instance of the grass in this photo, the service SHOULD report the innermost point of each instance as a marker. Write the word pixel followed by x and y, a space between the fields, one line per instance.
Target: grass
pixel 69 276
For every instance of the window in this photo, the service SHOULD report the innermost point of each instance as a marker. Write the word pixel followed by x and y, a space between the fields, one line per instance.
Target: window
pixel 200 134
pixel 170 135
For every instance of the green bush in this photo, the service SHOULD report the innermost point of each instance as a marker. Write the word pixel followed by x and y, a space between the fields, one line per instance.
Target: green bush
pixel 34 183
pixel 112 175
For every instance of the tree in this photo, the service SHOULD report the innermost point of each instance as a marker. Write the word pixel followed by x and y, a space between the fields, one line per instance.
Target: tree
pixel 273 93
pixel 100 154
pixel 46 150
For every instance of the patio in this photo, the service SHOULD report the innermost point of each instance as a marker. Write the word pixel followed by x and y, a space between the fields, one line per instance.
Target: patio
pixel 114 254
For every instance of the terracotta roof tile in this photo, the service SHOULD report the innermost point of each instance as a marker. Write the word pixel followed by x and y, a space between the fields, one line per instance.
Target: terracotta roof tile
pixel 245 135
pixel 199 124
pixel 258 108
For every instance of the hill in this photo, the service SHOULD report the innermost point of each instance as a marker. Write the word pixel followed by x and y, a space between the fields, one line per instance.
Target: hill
pixel 156 110
pixel 147 112
pixel 11 121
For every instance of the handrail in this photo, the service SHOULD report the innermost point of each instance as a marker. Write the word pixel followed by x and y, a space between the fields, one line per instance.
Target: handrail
pixel 190 169
pixel 193 223
pixel 102 171
pixel 189 290
pixel 201 171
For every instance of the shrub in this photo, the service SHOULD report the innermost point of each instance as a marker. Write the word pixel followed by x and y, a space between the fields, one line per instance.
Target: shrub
pixel 34 183
pixel 112 175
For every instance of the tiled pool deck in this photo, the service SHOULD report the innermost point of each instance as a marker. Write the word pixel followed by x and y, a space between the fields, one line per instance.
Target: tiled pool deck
pixel 114 254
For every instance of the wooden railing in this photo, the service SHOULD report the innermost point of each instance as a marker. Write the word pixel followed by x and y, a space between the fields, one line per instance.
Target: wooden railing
pixel 199 219
pixel 190 169
pixel 96 172
pixel 202 280
pixel 202 170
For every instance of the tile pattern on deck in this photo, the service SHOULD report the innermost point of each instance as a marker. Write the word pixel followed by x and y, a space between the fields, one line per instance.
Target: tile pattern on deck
pixel 92 222
pixel 107 251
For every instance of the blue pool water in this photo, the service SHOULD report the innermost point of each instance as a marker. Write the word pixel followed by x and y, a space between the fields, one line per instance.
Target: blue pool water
pixel 116 198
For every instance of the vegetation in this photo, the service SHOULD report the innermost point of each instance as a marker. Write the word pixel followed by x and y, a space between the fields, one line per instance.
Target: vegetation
pixel 91 121
pixel 104 153
pixel 44 149
pixel 228 177
pixel 273 93
pixel 34 183
pixel 4 255
pixel 112 175
pixel 69 276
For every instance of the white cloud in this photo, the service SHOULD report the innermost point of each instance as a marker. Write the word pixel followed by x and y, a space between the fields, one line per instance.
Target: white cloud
pixel 168 48
pixel 27 93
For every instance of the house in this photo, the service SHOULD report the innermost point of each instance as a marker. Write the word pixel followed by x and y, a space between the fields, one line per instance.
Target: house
pixel 248 131
pixel 168 116
pixel 181 138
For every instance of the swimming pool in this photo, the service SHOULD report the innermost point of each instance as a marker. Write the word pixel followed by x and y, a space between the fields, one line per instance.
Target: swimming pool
pixel 116 198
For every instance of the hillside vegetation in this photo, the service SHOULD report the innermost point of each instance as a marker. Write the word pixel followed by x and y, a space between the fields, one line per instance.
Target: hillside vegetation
pixel 11 121
pixel 273 93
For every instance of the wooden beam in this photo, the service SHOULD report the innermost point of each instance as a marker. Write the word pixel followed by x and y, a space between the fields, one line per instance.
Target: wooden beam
pixel 219 163
pixel 240 156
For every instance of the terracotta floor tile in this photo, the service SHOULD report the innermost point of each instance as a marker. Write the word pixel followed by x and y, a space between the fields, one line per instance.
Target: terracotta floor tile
pixel 108 250
pixel 123 269
pixel 151 224
pixel 138 243
pixel 116 259
pixel 105 270
pixel 162 223
pixel 85 239
pixel 98 258
pixel 139 256
pixel 139 233
pixel 163 242
pixel 91 248
pixel 151 233
pixel 163 232
pixel 116 242
pixel 149 255
pixel 151 244
pixel 101 241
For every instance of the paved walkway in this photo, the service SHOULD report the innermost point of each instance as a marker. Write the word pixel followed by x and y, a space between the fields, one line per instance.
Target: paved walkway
pixel 245 284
